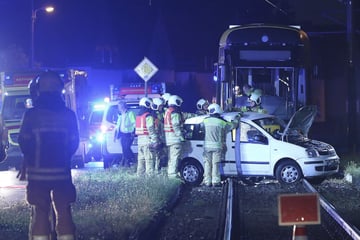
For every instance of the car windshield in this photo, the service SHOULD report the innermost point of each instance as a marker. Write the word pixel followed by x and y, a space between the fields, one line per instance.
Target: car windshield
pixel 276 127
pixel 272 125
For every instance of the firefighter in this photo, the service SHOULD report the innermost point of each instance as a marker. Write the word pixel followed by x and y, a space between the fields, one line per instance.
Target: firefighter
pixel 145 130
pixel 247 90
pixel 160 151
pixel 173 128
pixel 48 138
pixel 255 103
pixel 216 129
pixel 166 97
pixel 125 128
pixel 202 107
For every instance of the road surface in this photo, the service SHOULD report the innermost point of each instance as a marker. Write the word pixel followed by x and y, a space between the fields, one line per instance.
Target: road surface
pixel 12 190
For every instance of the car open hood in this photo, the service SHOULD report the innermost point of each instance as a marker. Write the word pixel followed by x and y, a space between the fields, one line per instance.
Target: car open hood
pixel 302 120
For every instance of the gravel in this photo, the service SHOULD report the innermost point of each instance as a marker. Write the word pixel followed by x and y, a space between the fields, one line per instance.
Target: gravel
pixel 196 216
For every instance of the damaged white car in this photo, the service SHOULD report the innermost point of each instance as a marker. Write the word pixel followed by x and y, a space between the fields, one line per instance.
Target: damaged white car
pixel 263 146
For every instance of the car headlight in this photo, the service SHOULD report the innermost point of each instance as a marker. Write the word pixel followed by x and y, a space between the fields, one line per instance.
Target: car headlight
pixel 311 152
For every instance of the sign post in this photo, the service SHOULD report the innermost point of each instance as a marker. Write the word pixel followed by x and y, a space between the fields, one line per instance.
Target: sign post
pixel 146 70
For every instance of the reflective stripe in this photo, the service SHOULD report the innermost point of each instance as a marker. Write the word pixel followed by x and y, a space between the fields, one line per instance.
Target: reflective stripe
pixel 47 170
pixel 168 127
pixel 66 237
pixel 47 177
pixel 48 174
pixel 141 128
pixel 40 237
pixel 37 132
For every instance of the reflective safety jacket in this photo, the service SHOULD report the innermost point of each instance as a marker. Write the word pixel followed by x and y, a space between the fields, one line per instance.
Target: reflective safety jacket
pixel 140 125
pixel 173 126
pixel 216 129
pixel 48 138
pixel 128 123
pixel 145 128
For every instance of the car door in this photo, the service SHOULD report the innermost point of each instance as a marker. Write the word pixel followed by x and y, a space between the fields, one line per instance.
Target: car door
pixel 228 163
pixel 254 151
pixel 109 125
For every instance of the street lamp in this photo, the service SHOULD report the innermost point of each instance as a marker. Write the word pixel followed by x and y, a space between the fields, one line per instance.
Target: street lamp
pixel 34 12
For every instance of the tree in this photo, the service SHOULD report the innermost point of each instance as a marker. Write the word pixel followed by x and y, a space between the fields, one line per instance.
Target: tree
pixel 13 57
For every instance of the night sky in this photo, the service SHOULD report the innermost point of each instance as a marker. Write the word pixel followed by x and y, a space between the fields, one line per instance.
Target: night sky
pixel 180 33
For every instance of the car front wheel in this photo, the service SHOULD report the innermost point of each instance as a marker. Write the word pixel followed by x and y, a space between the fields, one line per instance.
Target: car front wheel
pixel 192 172
pixel 288 172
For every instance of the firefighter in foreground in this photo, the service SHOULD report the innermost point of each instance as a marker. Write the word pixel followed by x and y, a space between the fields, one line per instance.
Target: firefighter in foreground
pixel 216 129
pixel 173 128
pixel 145 130
pixel 48 138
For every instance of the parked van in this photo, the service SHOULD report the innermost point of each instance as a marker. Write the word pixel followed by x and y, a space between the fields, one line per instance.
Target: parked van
pixel 263 146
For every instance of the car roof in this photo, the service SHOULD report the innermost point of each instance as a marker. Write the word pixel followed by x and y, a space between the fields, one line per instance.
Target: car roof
pixel 254 115
pixel 229 116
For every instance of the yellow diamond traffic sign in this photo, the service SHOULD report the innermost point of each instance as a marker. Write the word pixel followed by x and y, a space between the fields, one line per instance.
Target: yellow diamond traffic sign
pixel 146 69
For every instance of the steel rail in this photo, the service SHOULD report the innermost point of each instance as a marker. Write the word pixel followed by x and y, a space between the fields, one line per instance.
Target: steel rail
pixel 352 232
pixel 229 210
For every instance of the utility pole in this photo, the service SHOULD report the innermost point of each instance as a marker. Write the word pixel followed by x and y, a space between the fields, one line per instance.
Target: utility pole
pixel 352 93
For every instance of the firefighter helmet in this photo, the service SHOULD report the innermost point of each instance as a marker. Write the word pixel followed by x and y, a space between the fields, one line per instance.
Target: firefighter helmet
pixel 156 103
pixel 49 81
pixel 201 103
pixel 215 108
pixel 145 102
pixel 175 100
pixel 256 96
pixel 33 90
pixel 166 97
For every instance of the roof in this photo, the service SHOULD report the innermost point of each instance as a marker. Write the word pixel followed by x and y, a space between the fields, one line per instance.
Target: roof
pixel 229 116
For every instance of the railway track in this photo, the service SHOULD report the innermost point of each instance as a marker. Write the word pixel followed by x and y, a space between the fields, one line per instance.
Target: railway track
pixel 243 221
pixel 245 212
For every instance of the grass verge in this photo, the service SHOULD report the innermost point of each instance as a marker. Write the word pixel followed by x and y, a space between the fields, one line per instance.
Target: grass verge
pixel 110 205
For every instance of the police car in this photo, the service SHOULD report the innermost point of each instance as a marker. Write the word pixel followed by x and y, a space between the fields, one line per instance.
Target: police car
pixel 263 146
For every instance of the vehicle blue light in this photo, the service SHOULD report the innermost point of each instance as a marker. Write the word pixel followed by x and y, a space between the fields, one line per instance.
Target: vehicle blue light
pixel 99 106
pixel 100 137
